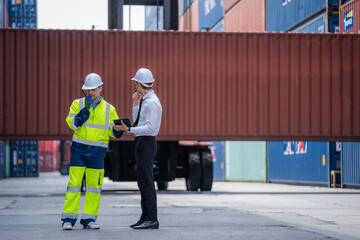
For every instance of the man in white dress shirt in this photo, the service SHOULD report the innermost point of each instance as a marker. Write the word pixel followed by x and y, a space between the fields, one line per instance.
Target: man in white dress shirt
pixel 147 113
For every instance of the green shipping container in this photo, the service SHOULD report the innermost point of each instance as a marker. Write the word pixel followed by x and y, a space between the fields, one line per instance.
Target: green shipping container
pixel 245 161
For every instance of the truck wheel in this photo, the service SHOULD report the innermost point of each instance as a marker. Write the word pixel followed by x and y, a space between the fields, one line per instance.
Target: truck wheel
pixel 206 170
pixel 162 185
pixel 194 171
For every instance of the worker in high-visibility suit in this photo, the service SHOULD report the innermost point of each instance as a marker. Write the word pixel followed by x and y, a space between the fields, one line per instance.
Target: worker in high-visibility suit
pixel 91 118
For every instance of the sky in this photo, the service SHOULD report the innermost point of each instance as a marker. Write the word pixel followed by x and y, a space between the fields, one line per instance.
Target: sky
pixel 83 14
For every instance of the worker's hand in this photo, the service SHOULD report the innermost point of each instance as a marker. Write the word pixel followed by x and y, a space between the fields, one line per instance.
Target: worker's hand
pixel 121 127
pixel 88 102
pixel 136 98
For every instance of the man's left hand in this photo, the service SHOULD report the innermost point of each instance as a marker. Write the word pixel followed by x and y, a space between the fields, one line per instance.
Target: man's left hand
pixel 121 127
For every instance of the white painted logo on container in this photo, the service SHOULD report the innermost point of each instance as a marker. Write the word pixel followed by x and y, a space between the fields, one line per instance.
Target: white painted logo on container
pixel 208 6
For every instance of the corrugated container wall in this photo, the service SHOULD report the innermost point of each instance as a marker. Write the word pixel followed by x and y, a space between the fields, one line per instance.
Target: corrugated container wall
pixel 189 21
pixel 284 15
pixel 246 86
pixel 350 17
pixel 245 161
pixel 210 13
pixel 229 4
pixel 350 164
pixel 246 16
pixel 154 18
pixel 299 162
pixel 322 24
pixel 2 160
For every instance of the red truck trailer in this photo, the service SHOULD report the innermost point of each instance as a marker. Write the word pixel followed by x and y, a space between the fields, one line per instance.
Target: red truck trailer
pixel 213 86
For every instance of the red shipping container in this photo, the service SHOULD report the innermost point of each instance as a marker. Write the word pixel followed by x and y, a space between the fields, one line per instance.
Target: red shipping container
pixel 49 161
pixel 190 20
pixel 350 17
pixel 229 4
pixel 218 86
pixel 246 16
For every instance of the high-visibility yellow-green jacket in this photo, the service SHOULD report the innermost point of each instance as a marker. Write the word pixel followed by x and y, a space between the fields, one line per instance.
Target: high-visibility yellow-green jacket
pixel 94 126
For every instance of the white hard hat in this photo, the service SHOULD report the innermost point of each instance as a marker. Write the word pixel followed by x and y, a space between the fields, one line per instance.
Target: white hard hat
pixel 144 75
pixel 92 81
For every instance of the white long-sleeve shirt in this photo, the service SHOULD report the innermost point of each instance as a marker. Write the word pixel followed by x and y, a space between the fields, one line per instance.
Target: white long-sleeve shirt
pixel 150 116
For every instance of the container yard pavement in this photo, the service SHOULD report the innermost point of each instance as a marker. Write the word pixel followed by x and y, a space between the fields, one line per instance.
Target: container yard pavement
pixel 30 208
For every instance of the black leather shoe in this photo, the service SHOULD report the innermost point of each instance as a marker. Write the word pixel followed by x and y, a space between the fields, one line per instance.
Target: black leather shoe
pixel 147 225
pixel 137 224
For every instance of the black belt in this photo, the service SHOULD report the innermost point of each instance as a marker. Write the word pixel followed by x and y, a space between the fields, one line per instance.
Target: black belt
pixel 144 137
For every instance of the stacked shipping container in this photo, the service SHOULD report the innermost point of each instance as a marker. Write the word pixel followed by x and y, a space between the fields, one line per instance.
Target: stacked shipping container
pixel 350 17
pixel 23 13
pixel 189 15
pixel 210 13
pixel 24 158
pixel 302 16
pixel 49 155
pixel 244 16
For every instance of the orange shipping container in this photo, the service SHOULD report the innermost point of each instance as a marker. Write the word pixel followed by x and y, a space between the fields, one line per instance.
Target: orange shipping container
pixel 350 17
pixel 245 16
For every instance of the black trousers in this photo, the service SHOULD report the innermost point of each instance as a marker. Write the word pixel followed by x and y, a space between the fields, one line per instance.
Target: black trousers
pixel 145 151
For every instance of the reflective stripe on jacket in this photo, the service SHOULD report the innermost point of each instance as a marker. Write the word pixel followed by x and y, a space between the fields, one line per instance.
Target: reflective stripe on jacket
pixel 97 128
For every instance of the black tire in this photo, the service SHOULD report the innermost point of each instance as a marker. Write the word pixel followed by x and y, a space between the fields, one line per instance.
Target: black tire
pixel 194 171
pixel 206 170
pixel 162 185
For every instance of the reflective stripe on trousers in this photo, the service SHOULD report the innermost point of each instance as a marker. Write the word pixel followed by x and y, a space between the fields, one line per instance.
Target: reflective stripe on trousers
pixel 94 181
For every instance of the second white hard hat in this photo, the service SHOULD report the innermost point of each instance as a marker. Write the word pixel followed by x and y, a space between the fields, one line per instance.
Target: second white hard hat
pixel 143 75
pixel 92 81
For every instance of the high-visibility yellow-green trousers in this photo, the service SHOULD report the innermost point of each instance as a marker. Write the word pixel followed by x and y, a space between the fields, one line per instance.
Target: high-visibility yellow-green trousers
pixel 94 180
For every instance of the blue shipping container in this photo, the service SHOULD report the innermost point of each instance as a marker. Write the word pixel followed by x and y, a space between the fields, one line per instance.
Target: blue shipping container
pixel 17 158
pixel 299 162
pixel 16 8
pixel 321 24
pixel 29 8
pixel 350 164
pixel 210 12
pixel 283 15
pixel 2 160
pixel 1 13
pixel 31 158
pixel 218 156
pixel 23 14
pixel 16 22
pixel 30 23
pixel 219 27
